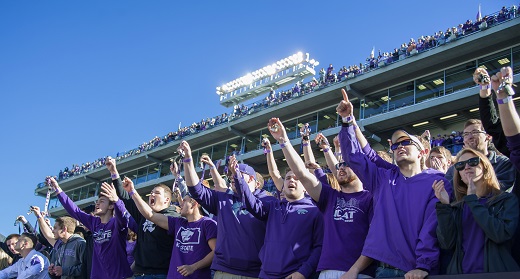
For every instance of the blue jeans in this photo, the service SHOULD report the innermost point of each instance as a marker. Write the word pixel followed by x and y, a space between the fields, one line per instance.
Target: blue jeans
pixel 151 276
pixel 386 272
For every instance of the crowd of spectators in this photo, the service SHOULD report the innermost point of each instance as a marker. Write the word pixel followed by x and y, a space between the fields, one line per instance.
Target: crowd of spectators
pixel 326 78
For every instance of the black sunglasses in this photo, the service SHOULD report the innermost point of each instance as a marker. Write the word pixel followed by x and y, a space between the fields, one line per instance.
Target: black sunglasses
pixel 403 143
pixel 340 165
pixel 473 162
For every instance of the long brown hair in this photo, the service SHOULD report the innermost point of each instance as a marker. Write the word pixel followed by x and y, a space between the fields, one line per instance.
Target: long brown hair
pixel 488 175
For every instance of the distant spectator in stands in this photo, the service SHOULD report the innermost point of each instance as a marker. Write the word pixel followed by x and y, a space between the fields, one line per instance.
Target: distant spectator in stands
pixel 458 141
pixel 480 224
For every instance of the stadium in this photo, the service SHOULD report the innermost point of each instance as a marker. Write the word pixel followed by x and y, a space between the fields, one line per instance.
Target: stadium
pixel 431 89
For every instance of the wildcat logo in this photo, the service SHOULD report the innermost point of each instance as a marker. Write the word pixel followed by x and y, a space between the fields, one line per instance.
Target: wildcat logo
pixel 345 210
pixel 188 236
pixel 102 236
pixel 148 226
pixel 237 209
pixel 302 211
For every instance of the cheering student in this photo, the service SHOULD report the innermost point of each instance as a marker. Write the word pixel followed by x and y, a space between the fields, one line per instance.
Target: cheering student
pixel 480 225
pixel 241 235
pixel 109 226
pixel 32 265
pixel 195 236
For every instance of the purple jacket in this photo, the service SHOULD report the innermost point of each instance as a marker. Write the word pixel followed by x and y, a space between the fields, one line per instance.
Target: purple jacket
pixel 294 234
pixel 109 256
pixel 402 232
pixel 241 235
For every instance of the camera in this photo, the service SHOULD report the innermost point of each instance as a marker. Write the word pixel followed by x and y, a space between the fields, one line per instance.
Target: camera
pixel 483 78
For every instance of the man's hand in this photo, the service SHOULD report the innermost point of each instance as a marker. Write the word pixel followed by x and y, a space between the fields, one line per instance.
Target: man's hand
pixel 185 270
pixel 336 143
pixel 111 165
pixel 312 166
pixel 233 165
pixel 22 219
pixel 416 274
pixel 321 141
pixel 58 271
pixel 440 192
pixel 36 211
pixel 349 275
pixel 345 107
pixel 128 185
pixel 109 191
pixel 51 269
pixel 54 185
pixel 266 143
pixel 277 130
pixel 207 160
pixel 295 275
pixel 174 168
pixel 185 148
pixel 504 77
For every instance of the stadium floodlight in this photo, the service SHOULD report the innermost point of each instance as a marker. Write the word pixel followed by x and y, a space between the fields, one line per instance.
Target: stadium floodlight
pixel 473 110
pixel 267 71
pixel 448 116
pixel 421 123
pixel 503 61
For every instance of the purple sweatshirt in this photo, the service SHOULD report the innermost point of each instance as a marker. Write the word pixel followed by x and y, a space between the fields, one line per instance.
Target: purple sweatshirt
pixel 109 256
pixel 294 234
pixel 191 244
pixel 242 235
pixel 402 232
pixel 347 219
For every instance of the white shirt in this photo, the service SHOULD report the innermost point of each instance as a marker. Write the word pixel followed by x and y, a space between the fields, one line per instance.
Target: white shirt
pixel 34 266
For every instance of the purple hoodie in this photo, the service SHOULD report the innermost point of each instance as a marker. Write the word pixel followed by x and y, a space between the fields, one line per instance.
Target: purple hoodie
pixel 241 235
pixel 109 256
pixel 402 232
pixel 294 235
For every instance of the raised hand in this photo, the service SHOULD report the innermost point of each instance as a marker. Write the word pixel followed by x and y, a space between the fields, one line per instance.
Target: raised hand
pixel 312 165
pixel 345 107
pixel 233 165
pixel 109 191
pixel 174 168
pixel 481 76
pixel 500 80
pixel 22 219
pixel 277 129
pixel 266 143
pixel 111 165
pixel 54 185
pixel 36 210
pixel 321 141
pixel 128 185
pixel 207 160
pixel 185 148
pixel 440 191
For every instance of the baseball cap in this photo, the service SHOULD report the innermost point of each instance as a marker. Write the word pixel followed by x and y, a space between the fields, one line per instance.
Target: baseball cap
pixel 244 168
pixel 403 134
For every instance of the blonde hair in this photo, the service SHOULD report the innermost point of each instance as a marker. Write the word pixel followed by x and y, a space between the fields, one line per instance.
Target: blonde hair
pixel 5 260
pixel 489 177
pixel 333 182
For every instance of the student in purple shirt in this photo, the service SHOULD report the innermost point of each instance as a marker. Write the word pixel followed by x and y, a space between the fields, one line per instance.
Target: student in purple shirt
pixel 347 213
pixel 242 235
pixel 404 202
pixel 481 223
pixel 294 231
pixel 109 227
pixel 195 236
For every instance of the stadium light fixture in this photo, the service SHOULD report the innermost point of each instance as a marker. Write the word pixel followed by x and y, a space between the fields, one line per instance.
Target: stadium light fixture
pixel 421 87
pixel 438 82
pixel 421 123
pixel 448 116
pixel 473 110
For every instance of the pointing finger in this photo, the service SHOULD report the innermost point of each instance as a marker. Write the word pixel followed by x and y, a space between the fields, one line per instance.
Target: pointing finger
pixel 345 96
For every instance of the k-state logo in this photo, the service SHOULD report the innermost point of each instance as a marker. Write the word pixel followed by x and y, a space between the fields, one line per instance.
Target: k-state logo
pixel 188 235
pixel 102 235
pixel 148 226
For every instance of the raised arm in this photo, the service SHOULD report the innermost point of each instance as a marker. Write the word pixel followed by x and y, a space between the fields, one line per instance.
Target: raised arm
pixel 159 219
pixel 296 164
pixel 271 165
pixel 44 228
pixel 218 181
pixel 122 216
pixel 330 158
pixel 71 208
pixel 179 182
pixel 508 114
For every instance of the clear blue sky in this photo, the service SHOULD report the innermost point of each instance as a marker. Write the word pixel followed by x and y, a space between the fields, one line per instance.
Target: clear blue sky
pixel 81 80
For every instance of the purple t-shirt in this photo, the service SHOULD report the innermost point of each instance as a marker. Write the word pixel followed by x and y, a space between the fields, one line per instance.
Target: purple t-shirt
pixel 109 256
pixel 473 241
pixel 191 244
pixel 347 218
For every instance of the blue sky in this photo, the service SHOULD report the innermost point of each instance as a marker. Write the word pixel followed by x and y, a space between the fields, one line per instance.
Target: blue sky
pixel 81 80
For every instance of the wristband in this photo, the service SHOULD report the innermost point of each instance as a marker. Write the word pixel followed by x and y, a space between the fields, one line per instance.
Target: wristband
pixel 282 145
pixel 325 150
pixel 337 153
pixel 347 119
pixel 267 151
pixel 505 100
pixel 211 167
pixel 114 176
pixel 485 87
pixel 186 160
pixel 305 144
pixel 132 193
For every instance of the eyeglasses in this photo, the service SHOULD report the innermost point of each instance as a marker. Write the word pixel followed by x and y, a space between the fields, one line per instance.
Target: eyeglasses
pixel 473 133
pixel 402 143
pixel 473 162
pixel 341 165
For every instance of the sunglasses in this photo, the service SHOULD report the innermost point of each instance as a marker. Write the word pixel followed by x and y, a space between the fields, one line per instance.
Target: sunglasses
pixel 473 162
pixel 341 165
pixel 403 143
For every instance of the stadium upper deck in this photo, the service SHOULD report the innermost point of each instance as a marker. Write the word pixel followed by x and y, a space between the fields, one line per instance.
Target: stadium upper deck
pixel 421 89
